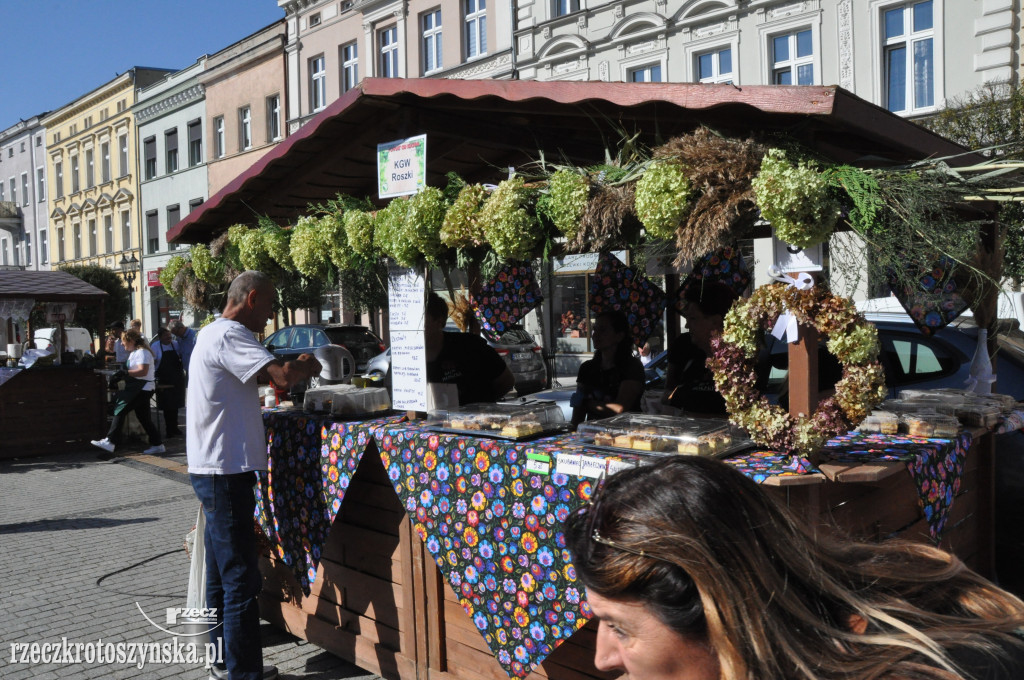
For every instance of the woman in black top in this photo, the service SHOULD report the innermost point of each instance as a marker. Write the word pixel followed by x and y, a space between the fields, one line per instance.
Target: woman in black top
pixel 613 381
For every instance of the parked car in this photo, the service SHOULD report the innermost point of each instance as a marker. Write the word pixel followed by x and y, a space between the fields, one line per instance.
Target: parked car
pixel 524 357
pixel 79 339
pixel 291 341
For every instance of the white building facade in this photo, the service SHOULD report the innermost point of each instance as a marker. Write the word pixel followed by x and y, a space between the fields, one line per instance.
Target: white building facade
pixel 170 123
pixel 23 204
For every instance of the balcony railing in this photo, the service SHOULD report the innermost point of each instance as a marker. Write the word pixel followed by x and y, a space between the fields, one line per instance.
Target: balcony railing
pixel 8 209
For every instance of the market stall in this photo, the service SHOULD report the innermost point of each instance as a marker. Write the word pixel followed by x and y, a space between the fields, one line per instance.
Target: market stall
pixel 49 409
pixel 414 552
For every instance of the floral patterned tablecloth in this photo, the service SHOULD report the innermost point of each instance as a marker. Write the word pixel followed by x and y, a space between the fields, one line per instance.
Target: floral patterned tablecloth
pixel 311 461
pixel 936 466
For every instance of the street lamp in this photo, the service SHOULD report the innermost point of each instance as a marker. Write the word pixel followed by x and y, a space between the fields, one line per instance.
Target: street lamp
pixel 128 270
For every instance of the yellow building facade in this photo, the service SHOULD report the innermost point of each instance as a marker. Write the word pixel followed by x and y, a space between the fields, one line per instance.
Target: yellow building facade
pixel 93 174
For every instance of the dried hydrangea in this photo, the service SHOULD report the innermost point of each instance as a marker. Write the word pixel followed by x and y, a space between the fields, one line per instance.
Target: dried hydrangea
pixel 251 251
pixel 858 345
pixel 569 192
pixel 203 264
pixel 461 227
pixel 507 224
pixel 423 222
pixel 359 231
pixel 796 200
pixel 170 270
pixel 389 234
pixel 309 248
pixel 662 198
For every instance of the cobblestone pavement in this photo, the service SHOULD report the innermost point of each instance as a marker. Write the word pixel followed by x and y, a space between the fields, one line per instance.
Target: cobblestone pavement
pixel 90 545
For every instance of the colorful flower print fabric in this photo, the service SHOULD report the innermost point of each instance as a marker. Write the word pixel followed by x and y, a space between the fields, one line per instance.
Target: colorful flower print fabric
pixel 504 301
pixel 614 286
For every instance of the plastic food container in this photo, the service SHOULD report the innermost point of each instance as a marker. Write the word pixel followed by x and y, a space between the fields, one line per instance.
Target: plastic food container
pixel 979 414
pixel 660 434
pixel 500 420
pixel 882 422
pixel 937 425
pixel 347 400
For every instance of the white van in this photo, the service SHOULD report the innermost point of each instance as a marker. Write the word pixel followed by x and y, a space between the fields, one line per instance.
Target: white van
pixel 78 339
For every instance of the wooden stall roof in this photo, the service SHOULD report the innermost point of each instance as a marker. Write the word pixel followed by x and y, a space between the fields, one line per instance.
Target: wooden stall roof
pixel 478 128
pixel 48 286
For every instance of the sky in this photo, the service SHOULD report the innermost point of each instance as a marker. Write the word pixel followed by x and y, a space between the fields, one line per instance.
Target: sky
pixel 54 51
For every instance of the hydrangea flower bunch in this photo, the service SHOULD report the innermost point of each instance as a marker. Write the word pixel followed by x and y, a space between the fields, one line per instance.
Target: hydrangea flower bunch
pixel 423 222
pixel 461 227
pixel 390 237
pixel 170 270
pixel 795 199
pixel 277 243
pixel 251 251
pixel 569 192
pixel 852 340
pixel 663 198
pixel 203 264
pixel 310 247
pixel 507 224
pixel 359 231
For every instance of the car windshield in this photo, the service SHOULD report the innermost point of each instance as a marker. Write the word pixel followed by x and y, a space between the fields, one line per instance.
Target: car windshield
pixel 350 336
pixel 515 336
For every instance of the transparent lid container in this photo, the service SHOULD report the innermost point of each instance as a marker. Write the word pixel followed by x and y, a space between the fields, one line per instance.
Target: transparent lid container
pixel 500 419
pixel 881 422
pixel 899 406
pixel 347 400
pixel 930 425
pixel 979 414
pixel 663 434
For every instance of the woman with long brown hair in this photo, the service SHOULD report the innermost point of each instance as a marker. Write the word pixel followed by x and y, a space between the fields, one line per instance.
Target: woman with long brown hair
pixel 696 573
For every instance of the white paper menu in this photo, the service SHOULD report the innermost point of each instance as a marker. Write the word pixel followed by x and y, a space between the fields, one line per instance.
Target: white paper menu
pixel 406 295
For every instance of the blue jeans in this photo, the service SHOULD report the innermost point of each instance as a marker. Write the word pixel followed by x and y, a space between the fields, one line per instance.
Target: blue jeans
pixel 233 578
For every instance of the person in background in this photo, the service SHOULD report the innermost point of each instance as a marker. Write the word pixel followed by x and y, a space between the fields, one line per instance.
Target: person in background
pixel 137 325
pixel 170 374
pixel 613 381
pixel 113 348
pixel 694 572
pixel 462 359
pixel 646 354
pixel 226 445
pixel 186 338
pixel 689 384
pixel 135 397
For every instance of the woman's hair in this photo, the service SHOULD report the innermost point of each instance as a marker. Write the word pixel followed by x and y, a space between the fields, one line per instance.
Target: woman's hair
pixel 619 324
pixel 137 338
pixel 436 308
pixel 712 298
pixel 724 561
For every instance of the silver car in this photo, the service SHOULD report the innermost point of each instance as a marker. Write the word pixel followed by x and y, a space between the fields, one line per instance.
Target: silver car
pixel 525 358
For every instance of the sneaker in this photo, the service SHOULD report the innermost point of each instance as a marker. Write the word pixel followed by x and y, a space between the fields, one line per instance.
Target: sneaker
pixel 104 444
pixel 159 448
pixel 218 672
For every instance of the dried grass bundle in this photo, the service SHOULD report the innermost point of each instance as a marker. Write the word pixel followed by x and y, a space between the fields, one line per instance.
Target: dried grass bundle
pixel 609 219
pixel 196 292
pixel 720 171
pixel 462 313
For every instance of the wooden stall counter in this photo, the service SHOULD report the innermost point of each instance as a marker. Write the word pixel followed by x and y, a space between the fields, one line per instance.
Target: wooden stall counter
pixel 51 409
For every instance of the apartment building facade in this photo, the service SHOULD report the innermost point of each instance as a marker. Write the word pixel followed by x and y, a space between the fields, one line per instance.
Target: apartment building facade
pixel 246 100
pixel 170 124
pixel 91 172
pixel 23 205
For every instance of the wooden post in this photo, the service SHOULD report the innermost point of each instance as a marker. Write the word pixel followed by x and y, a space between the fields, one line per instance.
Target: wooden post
pixel 803 375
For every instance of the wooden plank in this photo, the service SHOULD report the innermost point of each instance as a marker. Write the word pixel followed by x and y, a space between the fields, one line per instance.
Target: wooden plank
pixel 407 618
pixel 809 479
pixel 860 472
pixel 434 596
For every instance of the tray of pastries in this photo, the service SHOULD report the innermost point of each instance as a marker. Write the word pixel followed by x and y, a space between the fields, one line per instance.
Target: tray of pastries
pixel 650 434
pixel 508 421
pixel 347 401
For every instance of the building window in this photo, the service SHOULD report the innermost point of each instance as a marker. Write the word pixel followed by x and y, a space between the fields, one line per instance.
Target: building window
pixel 28 248
pixel 314 20
pixel 14 191
pixel 475 12
pixel 24 189
pixel 149 156
pixel 218 137
pixel 244 128
pixel 90 173
pixel 77 243
pixel 108 233
pixel 195 142
pixel 432 41
pixel 152 231
pixel 173 215
pixel 122 152
pixel 41 184
pixel 645 74
pixel 58 172
pixel 194 203
pixel 793 52
pixel 388 41
pixel 126 230
pixel 171 150
pixel 105 162
pixel 93 238
pixel 44 251
pixel 349 66
pixel 908 59
pixel 60 244
pixel 74 174
pixel 317 83
pixel 563 7
pixel 273 117
pixel 1 191
pixel 714 66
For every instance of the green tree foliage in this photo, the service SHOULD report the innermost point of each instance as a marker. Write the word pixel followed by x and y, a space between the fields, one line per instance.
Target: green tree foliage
pixel 991 117
pixel 116 305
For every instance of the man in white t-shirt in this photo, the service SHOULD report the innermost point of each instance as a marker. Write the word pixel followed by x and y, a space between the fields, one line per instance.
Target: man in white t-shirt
pixel 226 445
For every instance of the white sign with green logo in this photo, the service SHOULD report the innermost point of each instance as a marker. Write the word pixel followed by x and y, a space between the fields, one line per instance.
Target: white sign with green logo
pixel 402 167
